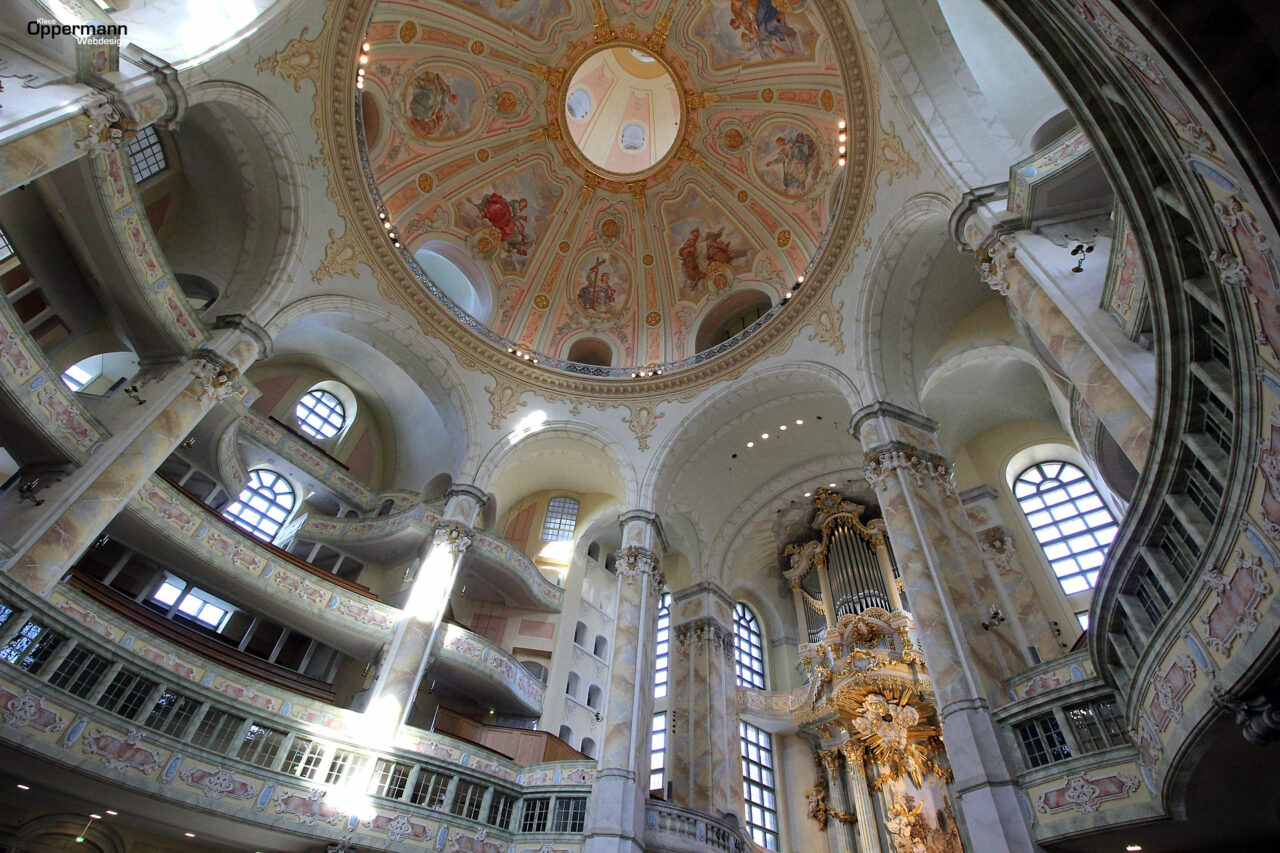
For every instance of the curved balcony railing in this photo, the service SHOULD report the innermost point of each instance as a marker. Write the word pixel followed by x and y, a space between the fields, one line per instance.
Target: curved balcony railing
pixel 674 829
pixel 39 404
pixel 488 672
pixel 515 572
pixel 342 613
pixel 186 737
pixel 308 458
pixel 1081 769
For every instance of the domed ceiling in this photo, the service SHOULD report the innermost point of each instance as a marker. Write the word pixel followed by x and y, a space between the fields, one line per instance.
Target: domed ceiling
pixel 610 171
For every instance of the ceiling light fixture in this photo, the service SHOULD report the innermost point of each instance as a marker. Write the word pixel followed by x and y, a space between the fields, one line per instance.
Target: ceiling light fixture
pixel 189 834
pixel 112 812
pixel 831 485
pixel 784 426
pixel 764 435
pixel 751 444
pixel 1132 848
pixel 22 787
pixel 808 494
pixel 799 421
pixel 95 817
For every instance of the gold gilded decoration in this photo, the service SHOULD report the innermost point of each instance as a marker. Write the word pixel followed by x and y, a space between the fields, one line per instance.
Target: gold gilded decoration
pixel 894 157
pixel 653 318
pixel 766 95
pixel 504 399
pixel 425 183
pixel 601 30
pixel 541 301
pixel 547 131
pixel 340 257
pixel 647 260
pixel 408 32
pixel 742 196
pixel 828 327
pixel 642 421
pixel 564 246
pixel 733 139
pixel 819 810
pixel 656 39
pixel 896 728
pixel 297 61
pixel 554 77
pixel 610 229
pixel 784 238
pixel 483 155
pixel 477 47
pixel 827 100
pixel 506 102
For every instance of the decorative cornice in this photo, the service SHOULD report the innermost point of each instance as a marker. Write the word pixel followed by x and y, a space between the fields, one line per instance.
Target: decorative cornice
pixel 920 465
pixel 705 630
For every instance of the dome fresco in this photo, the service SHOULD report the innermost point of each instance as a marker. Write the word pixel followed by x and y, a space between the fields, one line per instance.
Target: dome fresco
pixel 615 174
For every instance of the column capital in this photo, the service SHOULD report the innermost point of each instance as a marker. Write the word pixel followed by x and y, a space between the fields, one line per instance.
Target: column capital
pixel 636 563
pixel 705 630
pixel 241 323
pixel 915 462
pixel 456 537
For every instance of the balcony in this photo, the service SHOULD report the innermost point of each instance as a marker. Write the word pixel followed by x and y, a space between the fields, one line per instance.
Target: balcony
pixel 473 668
pixel 673 829
pixel 172 527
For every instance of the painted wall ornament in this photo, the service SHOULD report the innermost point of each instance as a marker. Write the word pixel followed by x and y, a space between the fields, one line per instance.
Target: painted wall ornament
pixel 788 159
pixel 1085 795
pixel 441 104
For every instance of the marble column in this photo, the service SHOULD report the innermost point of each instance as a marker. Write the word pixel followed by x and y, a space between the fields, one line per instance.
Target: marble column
pixel 941 566
pixel 434 576
pixel 843 833
pixel 1097 385
pixel 616 814
pixel 706 768
pixel 200 383
pixel 860 797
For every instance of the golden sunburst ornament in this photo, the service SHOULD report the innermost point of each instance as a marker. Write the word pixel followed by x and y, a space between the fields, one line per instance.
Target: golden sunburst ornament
pixel 894 731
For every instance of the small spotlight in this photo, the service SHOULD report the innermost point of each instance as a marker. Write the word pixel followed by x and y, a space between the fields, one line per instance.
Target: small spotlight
pixel 364 59
pixel 22 787
pixel 783 427
pixel 359 84
pixel 751 444
pixel 842 150
pixel 386 225
pixel 831 485
pixel 843 137
pixel 95 817
pixel 189 834
pixel 841 125
pixel 79 839
pixel 366 48
pixel 799 421
pixel 1133 847
pixel 382 215
pixel 808 494
pixel 112 812
pixel 787 295
pixel 397 244
pixel 799 279
pixel 840 162
pixel 764 435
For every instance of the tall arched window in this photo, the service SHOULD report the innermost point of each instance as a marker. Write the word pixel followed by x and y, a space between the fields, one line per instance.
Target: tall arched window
pixel 320 414
pixel 1070 521
pixel 562 518
pixel 748 647
pixel 263 505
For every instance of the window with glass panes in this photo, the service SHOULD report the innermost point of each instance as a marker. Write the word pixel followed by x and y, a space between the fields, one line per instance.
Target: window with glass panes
pixel 1069 519
pixel 748 647
pixel 390 778
pixel 217 730
pixel 172 712
pixel 320 414
pixel 500 807
pixel 758 784
pixel 562 518
pixel 263 505
pixel 5 249
pixel 533 818
pixel 80 672
pixel 127 694
pixel 261 744
pixel 304 759
pixel 1042 741
pixel 429 789
pixel 663 645
pixel 345 764
pixel 146 154
pixel 571 814
pixel 658 752
pixel 1096 725
pixel 467 798
pixel 32 647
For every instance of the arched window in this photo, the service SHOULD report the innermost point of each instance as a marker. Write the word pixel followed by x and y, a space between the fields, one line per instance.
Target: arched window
pixel 580 635
pixel 593 697
pixel 748 647
pixel 566 734
pixel 601 647
pixel 571 686
pixel 658 752
pixel 562 518
pixel 1070 521
pixel 663 645
pixel 320 414
pixel 588 747
pixel 537 670
pixel 263 505
pixel 758 785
